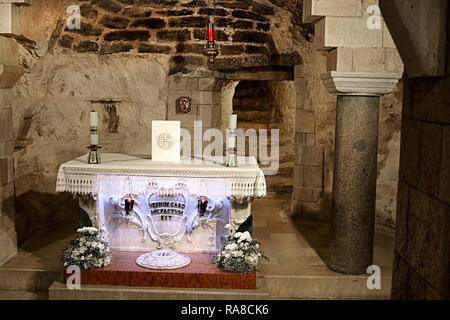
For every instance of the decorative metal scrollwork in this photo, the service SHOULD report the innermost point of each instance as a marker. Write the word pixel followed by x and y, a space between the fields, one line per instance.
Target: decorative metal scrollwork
pixel 167 216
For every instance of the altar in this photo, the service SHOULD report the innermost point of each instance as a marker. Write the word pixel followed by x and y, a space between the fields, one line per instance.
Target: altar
pixel 166 199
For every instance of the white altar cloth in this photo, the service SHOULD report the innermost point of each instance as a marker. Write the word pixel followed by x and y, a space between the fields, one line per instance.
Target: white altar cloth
pixel 125 174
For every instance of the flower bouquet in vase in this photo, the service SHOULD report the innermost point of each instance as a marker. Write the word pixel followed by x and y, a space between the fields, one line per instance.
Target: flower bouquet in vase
pixel 240 253
pixel 87 251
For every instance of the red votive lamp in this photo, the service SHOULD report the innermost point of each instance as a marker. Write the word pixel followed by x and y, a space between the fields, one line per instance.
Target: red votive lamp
pixel 202 204
pixel 129 204
pixel 210 32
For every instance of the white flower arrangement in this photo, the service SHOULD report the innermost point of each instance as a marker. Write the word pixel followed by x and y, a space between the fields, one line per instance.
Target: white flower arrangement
pixel 87 251
pixel 240 253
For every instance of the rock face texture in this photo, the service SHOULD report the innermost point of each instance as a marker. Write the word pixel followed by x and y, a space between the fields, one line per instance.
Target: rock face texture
pixel 131 60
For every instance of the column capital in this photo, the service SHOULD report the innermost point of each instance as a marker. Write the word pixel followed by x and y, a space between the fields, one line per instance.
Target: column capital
pixel 360 83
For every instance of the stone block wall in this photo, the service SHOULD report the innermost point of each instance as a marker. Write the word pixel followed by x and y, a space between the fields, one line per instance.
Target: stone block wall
pixel 8 60
pixel 8 246
pixel 205 94
pixel 422 250
pixel 309 159
pixel 176 28
pixel 422 246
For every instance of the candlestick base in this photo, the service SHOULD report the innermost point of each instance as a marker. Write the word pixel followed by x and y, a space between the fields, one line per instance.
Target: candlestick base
pixel 163 260
pixel 94 154
pixel 211 51
pixel 231 158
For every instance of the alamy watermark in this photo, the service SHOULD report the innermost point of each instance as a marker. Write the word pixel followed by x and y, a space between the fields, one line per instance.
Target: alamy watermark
pixel 73 282
pixel 374 280
pixel 375 20
pixel 257 141
pixel 73 21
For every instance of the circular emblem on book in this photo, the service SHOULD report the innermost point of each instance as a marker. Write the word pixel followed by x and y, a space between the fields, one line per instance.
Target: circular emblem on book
pixel 165 140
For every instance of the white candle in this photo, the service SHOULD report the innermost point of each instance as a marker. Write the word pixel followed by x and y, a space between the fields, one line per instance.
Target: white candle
pixel 94 139
pixel 94 119
pixel 231 141
pixel 233 121
pixel 94 127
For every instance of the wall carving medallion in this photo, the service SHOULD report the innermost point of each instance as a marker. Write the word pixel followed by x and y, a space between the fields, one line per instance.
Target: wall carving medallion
pixel 184 105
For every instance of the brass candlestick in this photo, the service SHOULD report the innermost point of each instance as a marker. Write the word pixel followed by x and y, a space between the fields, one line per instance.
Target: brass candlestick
pixel 94 155
pixel 211 51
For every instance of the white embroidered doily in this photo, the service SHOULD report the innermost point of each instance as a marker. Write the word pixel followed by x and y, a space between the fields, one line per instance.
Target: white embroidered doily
pixel 124 174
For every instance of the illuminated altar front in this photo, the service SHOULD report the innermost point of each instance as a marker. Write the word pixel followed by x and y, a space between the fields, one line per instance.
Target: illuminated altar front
pixel 165 195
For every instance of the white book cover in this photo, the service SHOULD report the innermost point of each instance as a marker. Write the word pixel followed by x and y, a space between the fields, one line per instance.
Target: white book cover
pixel 166 141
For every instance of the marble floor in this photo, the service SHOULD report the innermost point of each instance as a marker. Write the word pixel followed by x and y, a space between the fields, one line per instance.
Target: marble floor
pixel 296 270
pixel 298 251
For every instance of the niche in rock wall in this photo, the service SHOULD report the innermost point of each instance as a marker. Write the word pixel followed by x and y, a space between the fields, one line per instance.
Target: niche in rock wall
pixel 109 115
pixel 251 102
pixel 266 105
pixel 112 118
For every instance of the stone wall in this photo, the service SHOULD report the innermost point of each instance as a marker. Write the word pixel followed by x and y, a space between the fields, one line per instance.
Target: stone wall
pixel 10 72
pixel 176 28
pixel 422 249
pixel 8 246
pixel 131 60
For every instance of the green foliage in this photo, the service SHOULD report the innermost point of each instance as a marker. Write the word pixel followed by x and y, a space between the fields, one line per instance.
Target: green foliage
pixel 247 225
pixel 83 219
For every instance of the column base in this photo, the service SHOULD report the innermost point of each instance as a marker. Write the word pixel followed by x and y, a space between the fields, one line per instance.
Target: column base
pixel 353 270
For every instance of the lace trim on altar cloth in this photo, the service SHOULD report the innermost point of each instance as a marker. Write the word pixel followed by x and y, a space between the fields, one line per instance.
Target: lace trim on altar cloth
pixel 124 175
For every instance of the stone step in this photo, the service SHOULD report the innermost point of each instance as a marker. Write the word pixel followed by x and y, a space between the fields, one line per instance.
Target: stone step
pixel 326 287
pixel 28 279
pixel 256 116
pixel 22 295
pixel 59 291
pixel 258 125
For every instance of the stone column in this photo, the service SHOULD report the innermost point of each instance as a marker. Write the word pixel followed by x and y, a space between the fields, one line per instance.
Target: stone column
pixel 355 166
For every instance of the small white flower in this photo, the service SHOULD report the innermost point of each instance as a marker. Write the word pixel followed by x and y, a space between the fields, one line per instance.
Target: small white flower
pixel 246 236
pixel 227 226
pixel 237 253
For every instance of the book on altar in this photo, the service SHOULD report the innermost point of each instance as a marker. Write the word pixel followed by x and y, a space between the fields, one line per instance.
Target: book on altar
pixel 166 141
